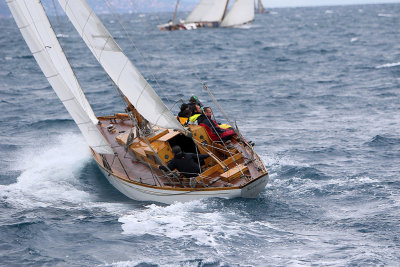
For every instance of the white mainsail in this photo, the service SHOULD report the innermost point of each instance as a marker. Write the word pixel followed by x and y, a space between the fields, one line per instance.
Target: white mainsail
pixel 241 12
pixel 208 11
pixel 117 65
pixel 42 42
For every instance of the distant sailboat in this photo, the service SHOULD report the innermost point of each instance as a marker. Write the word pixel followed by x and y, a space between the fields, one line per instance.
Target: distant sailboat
pixel 133 149
pixel 213 13
pixel 171 25
pixel 260 7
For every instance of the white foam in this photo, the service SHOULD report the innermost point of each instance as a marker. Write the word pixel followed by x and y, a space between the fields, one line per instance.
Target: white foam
pixel 386 15
pixel 389 65
pixel 48 173
pixel 174 221
pixel 193 221
pixel 354 39
pixel 277 161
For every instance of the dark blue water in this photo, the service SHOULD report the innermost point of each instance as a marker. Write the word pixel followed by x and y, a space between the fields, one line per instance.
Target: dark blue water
pixel 317 90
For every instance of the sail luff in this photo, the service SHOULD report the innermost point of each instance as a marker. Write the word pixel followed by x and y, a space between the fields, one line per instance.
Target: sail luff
pixel 117 65
pixel 43 44
pixel 241 12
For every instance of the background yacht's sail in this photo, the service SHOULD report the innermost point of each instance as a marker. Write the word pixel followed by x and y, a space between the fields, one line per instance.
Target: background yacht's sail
pixel 42 42
pixel 241 12
pixel 260 7
pixel 207 11
pixel 117 65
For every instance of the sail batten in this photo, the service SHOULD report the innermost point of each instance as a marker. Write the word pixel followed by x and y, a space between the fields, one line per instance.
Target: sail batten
pixel 241 12
pixel 43 44
pixel 117 65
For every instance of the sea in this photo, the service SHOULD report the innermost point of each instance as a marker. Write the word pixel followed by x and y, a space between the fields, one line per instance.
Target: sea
pixel 316 88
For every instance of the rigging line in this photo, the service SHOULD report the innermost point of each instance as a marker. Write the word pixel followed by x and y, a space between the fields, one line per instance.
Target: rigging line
pixel 158 85
pixel 173 62
pixel 153 175
pixel 156 154
pixel 198 162
pixel 223 143
pixel 112 10
pixel 197 76
pixel 57 16
pixel 214 147
pixel 192 68
pixel 47 52
pixel 120 94
pixel 211 95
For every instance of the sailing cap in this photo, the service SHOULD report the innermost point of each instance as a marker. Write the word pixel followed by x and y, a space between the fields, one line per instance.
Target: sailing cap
pixel 193 99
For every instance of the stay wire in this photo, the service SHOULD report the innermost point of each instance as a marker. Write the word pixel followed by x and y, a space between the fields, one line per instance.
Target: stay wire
pixel 139 52
pixel 155 79
pixel 193 70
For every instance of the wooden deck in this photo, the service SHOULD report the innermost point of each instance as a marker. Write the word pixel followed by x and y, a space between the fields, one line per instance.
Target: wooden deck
pixel 239 169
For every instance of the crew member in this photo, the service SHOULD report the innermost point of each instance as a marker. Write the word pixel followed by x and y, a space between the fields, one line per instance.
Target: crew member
pixel 185 163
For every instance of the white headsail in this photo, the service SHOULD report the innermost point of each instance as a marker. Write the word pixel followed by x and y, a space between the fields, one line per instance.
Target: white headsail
pixel 117 65
pixel 42 42
pixel 241 12
pixel 208 11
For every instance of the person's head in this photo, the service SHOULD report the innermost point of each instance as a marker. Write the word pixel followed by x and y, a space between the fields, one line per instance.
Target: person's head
pixel 207 111
pixel 193 99
pixel 197 109
pixel 176 150
pixel 184 106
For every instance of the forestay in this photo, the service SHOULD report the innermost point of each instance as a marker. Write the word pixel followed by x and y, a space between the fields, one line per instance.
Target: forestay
pixel 42 42
pixel 241 12
pixel 208 11
pixel 117 65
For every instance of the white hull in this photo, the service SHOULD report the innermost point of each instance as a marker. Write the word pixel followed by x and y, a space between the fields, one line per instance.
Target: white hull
pixel 168 196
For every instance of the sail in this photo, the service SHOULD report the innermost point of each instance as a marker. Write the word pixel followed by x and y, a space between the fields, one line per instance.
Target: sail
pixel 241 12
pixel 208 11
pixel 117 65
pixel 260 7
pixel 42 42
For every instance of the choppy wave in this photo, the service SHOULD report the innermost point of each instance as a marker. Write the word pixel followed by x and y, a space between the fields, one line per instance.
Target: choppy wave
pixel 311 89
pixel 388 65
pixel 383 141
pixel 48 174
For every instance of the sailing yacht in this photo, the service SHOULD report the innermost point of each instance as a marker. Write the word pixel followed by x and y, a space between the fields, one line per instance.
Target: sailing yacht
pixel 212 14
pixel 260 8
pixel 129 147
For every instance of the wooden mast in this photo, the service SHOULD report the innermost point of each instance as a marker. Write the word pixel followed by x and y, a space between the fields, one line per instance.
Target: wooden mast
pixel 226 7
pixel 176 11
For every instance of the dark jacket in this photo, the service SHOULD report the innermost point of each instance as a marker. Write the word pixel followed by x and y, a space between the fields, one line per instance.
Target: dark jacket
pixel 184 114
pixel 210 123
pixel 187 163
